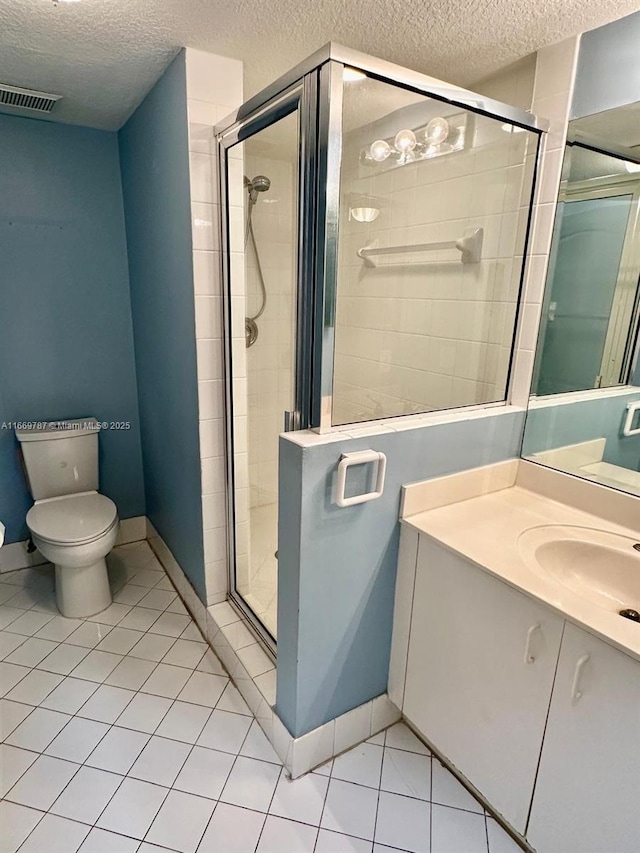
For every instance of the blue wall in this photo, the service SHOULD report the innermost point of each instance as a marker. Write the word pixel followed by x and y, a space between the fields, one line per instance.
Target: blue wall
pixel 155 178
pixel 336 567
pixel 66 343
pixel 583 420
pixel 608 73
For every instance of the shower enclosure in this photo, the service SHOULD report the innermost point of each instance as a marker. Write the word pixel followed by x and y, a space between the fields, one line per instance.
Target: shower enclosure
pixel 374 226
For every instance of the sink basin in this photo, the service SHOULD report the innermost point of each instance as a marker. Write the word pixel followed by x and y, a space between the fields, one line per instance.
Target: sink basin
pixel 599 566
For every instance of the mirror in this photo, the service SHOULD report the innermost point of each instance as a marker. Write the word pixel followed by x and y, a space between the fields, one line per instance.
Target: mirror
pixel 584 410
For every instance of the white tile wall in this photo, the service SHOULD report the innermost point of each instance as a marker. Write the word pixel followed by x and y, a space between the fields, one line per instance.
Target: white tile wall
pixel 214 88
pixel 555 72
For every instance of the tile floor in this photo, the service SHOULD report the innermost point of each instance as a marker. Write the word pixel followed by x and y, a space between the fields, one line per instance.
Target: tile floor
pixel 122 733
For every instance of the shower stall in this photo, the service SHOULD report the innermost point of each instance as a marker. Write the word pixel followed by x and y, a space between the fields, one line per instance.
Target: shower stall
pixel 374 225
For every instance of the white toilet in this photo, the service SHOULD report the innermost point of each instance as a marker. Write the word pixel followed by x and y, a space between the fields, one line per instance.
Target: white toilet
pixel 71 524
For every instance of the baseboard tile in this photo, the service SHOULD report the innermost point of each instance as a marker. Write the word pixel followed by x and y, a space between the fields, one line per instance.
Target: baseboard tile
pixel 299 755
pixel 132 530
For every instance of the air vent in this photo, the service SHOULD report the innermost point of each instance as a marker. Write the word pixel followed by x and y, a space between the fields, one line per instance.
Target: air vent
pixel 27 99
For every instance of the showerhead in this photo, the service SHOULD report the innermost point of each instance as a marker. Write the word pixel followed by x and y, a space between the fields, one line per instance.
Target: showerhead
pixel 260 184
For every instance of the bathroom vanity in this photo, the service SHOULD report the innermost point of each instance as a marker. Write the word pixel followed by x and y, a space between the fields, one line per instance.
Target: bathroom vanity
pixel 510 657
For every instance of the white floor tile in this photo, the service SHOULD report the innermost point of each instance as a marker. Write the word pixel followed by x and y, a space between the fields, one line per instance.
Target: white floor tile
pixel 42 783
pixel 34 685
pixel 301 800
pixel 31 652
pixel 447 791
pixel 144 713
pixel 192 632
pixel 89 634
pixel 9 643
pixel 29 622
pixel 403 822
pixel 118 750
pixel 77 740
pixel 130 594
pixel 499 840
pixel 205 772
pixel 63 659
pixel 225 731
pixel 350 809
pixel 181 822
pixel 211 664
pixel 204 689
pixel 149 578
pixel 251 784
pixel 106 704
pixel 170 624
pixel 256 745
pixel 11 715
pixel 400 736
pixel 131 673
pixel 286 836
pixel 97 666
pixel 120 641
pixel 361 765
pixel 231 700
pixel 185 653
pixel 335 842
pixel 14 763
pixel 406 773
pixel 160 761
pixel 38 730
pixel 139 619
pixel 184 722
pixel 16 822
pixel 152 647
pixel 378 739
pixel 157 599
pixel 10 675
pixel 70 695
pixel 177 606
pixel 59 628
pixel 166 681
pixel 232 829
pixel 133 808
pixel 114 614
pixel 8 615
pixel 453 830
pixel 255 660
pixel 101 841
pixel 87 795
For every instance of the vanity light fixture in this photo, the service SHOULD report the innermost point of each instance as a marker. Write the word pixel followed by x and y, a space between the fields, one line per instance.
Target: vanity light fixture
pixel 439 136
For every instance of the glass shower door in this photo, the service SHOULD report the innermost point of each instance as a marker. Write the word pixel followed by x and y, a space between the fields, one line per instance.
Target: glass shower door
pixel 262 194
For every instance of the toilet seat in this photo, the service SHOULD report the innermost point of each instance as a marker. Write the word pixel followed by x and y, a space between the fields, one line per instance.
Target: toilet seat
pixel 72 519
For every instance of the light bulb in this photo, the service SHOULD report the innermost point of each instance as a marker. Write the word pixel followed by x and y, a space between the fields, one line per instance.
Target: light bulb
pixel 632 167
pixel 380 150
pixel 437 131
pixel 405 141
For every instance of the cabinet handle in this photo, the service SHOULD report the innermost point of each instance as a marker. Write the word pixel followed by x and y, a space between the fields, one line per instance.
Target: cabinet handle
pixel 528 657
pixel 575 693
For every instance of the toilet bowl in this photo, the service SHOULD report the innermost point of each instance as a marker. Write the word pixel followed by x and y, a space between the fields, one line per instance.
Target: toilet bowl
pixel 76 532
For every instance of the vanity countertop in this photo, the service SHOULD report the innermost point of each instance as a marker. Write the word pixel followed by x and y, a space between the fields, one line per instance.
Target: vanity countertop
pixel 486 530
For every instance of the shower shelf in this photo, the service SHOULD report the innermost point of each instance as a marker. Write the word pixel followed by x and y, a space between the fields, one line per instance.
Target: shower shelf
pixel 469 245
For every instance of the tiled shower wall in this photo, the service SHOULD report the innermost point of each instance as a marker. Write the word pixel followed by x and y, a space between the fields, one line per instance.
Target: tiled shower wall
pixel 214 89
pixel 428 332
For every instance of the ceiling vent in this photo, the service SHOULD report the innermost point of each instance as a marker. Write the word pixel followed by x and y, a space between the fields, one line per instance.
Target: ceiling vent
pixel 27 99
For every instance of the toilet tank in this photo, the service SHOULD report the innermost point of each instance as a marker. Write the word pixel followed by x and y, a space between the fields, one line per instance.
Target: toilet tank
pixel 60 457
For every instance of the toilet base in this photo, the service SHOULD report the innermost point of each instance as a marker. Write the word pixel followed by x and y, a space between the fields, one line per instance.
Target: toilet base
pixel 83 591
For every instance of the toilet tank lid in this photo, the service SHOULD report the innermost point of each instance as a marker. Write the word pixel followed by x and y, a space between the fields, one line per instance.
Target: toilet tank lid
pixel 45 430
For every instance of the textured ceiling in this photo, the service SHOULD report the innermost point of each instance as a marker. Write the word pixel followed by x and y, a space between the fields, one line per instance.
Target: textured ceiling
pixel 104 55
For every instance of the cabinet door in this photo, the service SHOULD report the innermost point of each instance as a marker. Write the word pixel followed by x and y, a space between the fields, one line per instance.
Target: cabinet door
pixel 587 797
pixel 479 675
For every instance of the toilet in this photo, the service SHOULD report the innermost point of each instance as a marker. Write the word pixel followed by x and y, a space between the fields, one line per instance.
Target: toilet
pixel 71 523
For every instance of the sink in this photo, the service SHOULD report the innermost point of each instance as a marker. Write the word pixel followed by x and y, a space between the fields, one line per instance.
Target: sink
pixel 596 565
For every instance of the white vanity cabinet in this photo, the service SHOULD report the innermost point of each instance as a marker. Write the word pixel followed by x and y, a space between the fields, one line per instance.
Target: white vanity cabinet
pixel 479 675
pixel 587 796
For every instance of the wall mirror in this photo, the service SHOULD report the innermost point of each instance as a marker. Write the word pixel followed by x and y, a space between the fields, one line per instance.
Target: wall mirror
pixel 584 410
